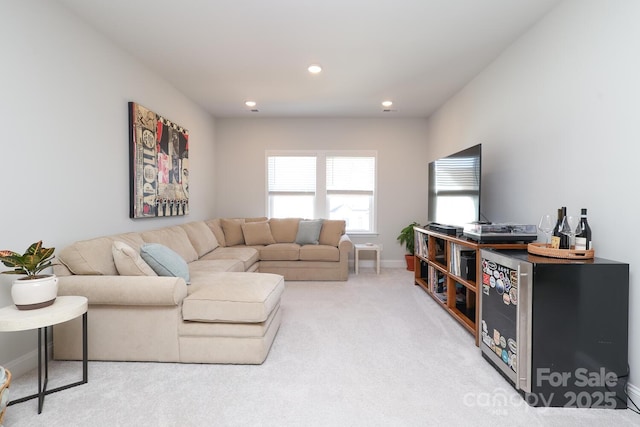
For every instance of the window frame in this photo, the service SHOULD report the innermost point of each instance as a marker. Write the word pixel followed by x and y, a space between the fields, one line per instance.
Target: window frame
pixel 321 193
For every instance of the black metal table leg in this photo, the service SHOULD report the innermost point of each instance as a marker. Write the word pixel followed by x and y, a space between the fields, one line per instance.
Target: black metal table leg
pixel 42 349
pixel 42 385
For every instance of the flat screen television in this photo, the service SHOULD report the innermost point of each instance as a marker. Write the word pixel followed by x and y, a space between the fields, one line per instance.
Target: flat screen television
pixel 454 188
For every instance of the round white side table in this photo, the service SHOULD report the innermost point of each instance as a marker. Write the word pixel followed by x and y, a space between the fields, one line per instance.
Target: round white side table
pixel 63 309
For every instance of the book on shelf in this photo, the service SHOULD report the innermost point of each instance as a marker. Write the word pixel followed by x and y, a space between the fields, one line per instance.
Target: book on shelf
pixel 421 246
pixel 454 259
pixel 433 279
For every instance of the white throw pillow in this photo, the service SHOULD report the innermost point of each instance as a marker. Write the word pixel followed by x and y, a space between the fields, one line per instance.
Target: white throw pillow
pixel 128 261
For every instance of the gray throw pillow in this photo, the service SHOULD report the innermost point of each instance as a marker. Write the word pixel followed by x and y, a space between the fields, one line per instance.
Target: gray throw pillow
pixel 164 261
pixel 309 231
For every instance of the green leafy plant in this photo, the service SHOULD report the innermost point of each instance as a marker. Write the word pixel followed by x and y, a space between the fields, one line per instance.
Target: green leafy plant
pixel 35 259
pixel 407 237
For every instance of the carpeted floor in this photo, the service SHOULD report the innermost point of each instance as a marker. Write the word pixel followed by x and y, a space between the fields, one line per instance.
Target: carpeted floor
pixel 373 351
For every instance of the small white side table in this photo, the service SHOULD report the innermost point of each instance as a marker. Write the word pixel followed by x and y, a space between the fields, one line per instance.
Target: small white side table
pixel 62 310
pixel 368 247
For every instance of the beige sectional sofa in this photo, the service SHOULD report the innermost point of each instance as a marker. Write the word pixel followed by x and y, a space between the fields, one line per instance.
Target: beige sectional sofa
pixel 228 313
pixel 277 250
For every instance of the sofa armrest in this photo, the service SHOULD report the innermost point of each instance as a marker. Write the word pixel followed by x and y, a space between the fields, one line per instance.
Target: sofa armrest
pixel 345 244
pixel 125 290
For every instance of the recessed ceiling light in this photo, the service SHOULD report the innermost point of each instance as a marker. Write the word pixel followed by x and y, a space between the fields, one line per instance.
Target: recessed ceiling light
pixel 250 104
pixel 314 68
pixel 387 104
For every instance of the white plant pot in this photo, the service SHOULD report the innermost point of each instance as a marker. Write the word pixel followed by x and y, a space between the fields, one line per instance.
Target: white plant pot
pixel 30 294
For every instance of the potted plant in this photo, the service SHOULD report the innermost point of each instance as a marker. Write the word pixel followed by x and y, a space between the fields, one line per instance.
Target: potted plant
pixel 407 238
pixel 34 290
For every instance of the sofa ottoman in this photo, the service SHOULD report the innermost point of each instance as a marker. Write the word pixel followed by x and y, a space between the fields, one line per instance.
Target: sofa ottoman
pixel 233 320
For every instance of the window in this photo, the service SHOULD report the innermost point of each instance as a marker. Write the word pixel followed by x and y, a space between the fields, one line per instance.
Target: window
pixel 334 185
pixel 292 186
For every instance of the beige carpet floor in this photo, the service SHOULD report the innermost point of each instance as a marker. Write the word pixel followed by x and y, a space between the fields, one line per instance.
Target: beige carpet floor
pixel 373 351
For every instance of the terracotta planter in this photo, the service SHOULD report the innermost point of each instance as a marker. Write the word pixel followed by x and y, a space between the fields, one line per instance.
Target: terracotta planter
pixel 410 262
pixel 30 294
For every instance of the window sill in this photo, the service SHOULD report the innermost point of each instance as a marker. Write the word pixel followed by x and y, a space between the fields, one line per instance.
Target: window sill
pixel 362 233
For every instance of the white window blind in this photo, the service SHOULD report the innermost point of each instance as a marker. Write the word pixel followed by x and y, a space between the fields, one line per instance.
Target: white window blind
pixel 351 174
pixel 292 174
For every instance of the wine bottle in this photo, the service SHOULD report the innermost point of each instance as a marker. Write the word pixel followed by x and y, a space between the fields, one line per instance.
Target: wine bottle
pixel 565 240
pixel 583 239
pixel 556 236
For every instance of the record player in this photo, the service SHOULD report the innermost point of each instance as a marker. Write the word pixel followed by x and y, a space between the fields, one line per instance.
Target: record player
pixel 500 233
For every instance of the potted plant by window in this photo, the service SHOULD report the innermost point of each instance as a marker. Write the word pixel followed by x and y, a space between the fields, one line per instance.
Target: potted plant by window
pixel 407 238
pixel 34 290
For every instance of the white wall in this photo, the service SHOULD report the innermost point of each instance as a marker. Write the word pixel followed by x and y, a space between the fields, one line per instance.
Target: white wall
pixel 240 169
pixel 557 114
pixel 64 146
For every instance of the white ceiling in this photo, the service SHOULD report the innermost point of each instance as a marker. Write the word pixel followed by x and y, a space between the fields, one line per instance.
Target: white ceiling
pixel 220 53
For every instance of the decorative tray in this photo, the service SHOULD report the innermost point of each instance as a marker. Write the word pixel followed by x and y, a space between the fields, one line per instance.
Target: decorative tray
pixel 544 249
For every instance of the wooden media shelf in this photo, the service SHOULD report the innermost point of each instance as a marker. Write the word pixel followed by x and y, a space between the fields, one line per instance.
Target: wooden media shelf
pixel 442 269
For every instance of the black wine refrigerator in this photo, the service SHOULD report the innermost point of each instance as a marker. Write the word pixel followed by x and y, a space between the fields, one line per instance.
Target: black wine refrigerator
pixel 556 329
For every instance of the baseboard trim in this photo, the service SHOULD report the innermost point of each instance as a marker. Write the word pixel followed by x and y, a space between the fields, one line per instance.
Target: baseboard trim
pixel 26 362
pixel 634 394
pixel 390 263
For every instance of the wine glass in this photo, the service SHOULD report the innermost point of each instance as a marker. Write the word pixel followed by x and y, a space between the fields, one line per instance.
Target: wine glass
pixel 570 227
pixel 546 226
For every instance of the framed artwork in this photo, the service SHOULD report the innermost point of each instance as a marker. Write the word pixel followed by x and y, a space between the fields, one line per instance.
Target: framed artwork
pixel 158 165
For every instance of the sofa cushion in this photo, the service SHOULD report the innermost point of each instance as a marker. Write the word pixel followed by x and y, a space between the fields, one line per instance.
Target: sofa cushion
pixel 174 238
pixel 216 228
pixel 129 262
pixel 94 256
pixel 233 297
pixel 232 228
pixel 309 232
pixel 284 230
pixel 256 219
pixel 164 261
pixel 332 230
pixel 319 253
pixel 280 252
pixel 247 255
pixel 197 268
pixel 257 233
pixel 201 237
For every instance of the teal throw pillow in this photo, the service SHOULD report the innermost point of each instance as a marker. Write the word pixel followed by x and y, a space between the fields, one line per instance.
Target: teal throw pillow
pixel 309 231
pixel 164 261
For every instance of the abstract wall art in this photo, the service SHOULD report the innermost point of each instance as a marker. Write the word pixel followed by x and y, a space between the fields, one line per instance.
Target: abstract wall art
pixel 159 165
